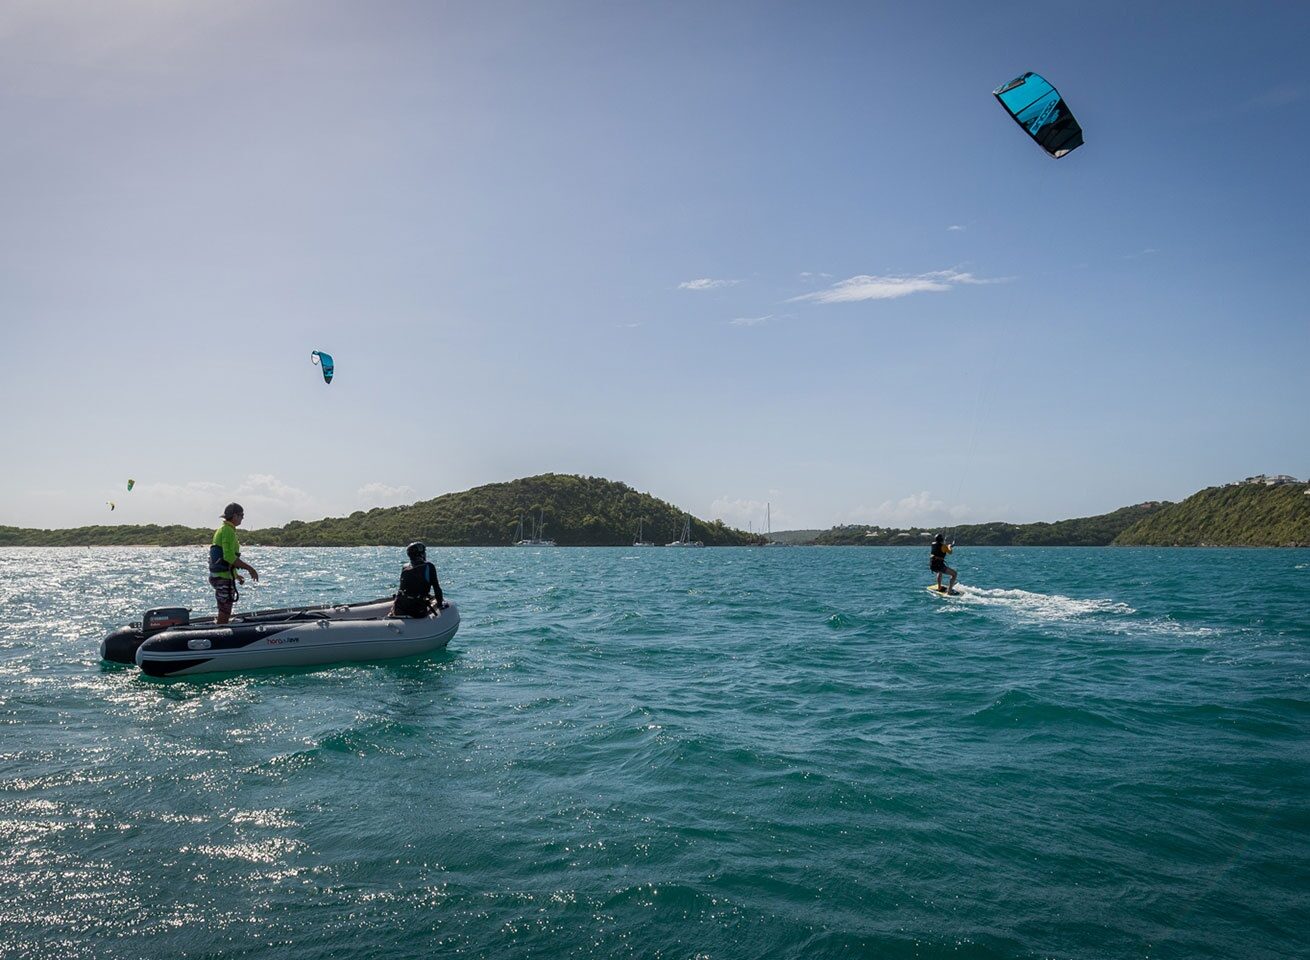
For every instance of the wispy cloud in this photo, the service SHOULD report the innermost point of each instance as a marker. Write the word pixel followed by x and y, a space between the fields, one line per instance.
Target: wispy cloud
pixel 956 227
pixel 705 283
pixel 750 321
pixel 866 287
pixel 1281 95
pixel 1144 252
pixel 383 495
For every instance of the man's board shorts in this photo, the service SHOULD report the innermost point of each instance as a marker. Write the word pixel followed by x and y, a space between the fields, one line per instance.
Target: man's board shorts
pixel 225 590
pixel 936 565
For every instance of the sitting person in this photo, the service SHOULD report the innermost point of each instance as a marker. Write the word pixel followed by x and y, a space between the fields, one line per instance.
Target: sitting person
pixel 418 586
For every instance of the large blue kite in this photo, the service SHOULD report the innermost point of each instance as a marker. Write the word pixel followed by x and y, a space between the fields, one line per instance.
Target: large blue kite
pixel 1038 107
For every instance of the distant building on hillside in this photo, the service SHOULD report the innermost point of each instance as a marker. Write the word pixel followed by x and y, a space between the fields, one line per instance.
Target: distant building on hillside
pixel 1277 480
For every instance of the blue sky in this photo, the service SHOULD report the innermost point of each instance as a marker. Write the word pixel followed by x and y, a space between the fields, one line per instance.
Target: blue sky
pixel 728 253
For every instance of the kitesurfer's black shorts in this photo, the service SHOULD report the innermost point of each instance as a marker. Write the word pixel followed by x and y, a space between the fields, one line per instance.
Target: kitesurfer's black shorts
pixel 937 565
pixel 225 590
pixel 411 606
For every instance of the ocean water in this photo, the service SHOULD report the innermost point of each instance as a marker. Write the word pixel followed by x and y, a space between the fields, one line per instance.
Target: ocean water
pixel 660 753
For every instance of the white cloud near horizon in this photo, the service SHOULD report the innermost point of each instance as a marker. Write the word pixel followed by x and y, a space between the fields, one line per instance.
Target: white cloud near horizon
pixel 747 514
pixel 705 283
pixel 383 495
pixel 916 510
pixel 866 287
pixel 750 321
pixel 268 501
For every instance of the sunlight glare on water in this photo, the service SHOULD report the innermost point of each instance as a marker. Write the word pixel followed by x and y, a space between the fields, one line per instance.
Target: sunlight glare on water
pixel 642 753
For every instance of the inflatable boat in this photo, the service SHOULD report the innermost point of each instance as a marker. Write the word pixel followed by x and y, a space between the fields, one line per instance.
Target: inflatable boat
pixel 168 643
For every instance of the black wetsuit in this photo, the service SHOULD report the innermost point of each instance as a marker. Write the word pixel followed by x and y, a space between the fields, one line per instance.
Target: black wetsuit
pixel 415 584
pixel 937 562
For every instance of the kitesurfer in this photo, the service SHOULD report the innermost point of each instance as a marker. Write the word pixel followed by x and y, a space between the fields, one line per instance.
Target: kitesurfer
pixel 225 560
pixel 419 587
pixel 937 562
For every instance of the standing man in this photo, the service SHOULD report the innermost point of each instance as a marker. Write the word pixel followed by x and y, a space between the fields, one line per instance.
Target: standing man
pixel 937 562
pixel 225 560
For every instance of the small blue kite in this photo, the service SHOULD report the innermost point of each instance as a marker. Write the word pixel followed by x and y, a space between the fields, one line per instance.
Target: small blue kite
pixel 325 361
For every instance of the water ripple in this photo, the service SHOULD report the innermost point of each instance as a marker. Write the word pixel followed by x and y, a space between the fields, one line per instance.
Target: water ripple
pixel 789 753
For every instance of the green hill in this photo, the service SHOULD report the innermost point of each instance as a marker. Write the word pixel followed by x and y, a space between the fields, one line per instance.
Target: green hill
pixel 125 535
pixel 590 511
pixel 577 511
pixel 1095 531
pixel 1236 515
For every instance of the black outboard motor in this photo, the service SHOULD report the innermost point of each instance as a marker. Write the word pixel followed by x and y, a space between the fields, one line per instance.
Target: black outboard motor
pixel 161 618
pixel 121 645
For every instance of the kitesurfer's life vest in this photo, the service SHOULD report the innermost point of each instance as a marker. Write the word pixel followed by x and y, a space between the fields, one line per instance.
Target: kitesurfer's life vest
pixel 415 584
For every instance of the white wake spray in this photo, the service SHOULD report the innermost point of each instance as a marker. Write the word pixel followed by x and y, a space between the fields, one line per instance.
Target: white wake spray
pixel 1040 606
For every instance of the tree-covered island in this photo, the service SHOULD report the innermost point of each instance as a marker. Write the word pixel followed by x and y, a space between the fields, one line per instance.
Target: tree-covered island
pixel 594 512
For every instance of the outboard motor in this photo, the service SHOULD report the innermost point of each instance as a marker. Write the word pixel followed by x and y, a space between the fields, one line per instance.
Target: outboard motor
pixel 161 618
pixel 121 645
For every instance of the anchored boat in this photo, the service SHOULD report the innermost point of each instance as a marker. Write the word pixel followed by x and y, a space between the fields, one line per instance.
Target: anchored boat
pixel 168 643
pixel 684 539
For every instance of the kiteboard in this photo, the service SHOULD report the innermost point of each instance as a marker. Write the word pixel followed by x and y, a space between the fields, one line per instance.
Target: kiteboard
pixel 932 588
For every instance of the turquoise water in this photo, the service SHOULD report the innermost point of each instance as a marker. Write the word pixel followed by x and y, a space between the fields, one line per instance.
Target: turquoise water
pixel 677 754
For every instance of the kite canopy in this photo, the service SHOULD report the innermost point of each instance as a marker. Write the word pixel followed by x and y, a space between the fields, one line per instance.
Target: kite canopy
pixel 1038 107
pixel 111 504
pixel 325 361
pixel 130 485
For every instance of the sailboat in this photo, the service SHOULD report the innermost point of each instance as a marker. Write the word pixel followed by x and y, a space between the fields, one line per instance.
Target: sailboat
pixel 685 540
pixel 538 528
pixel 768 521
pixel 640 542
